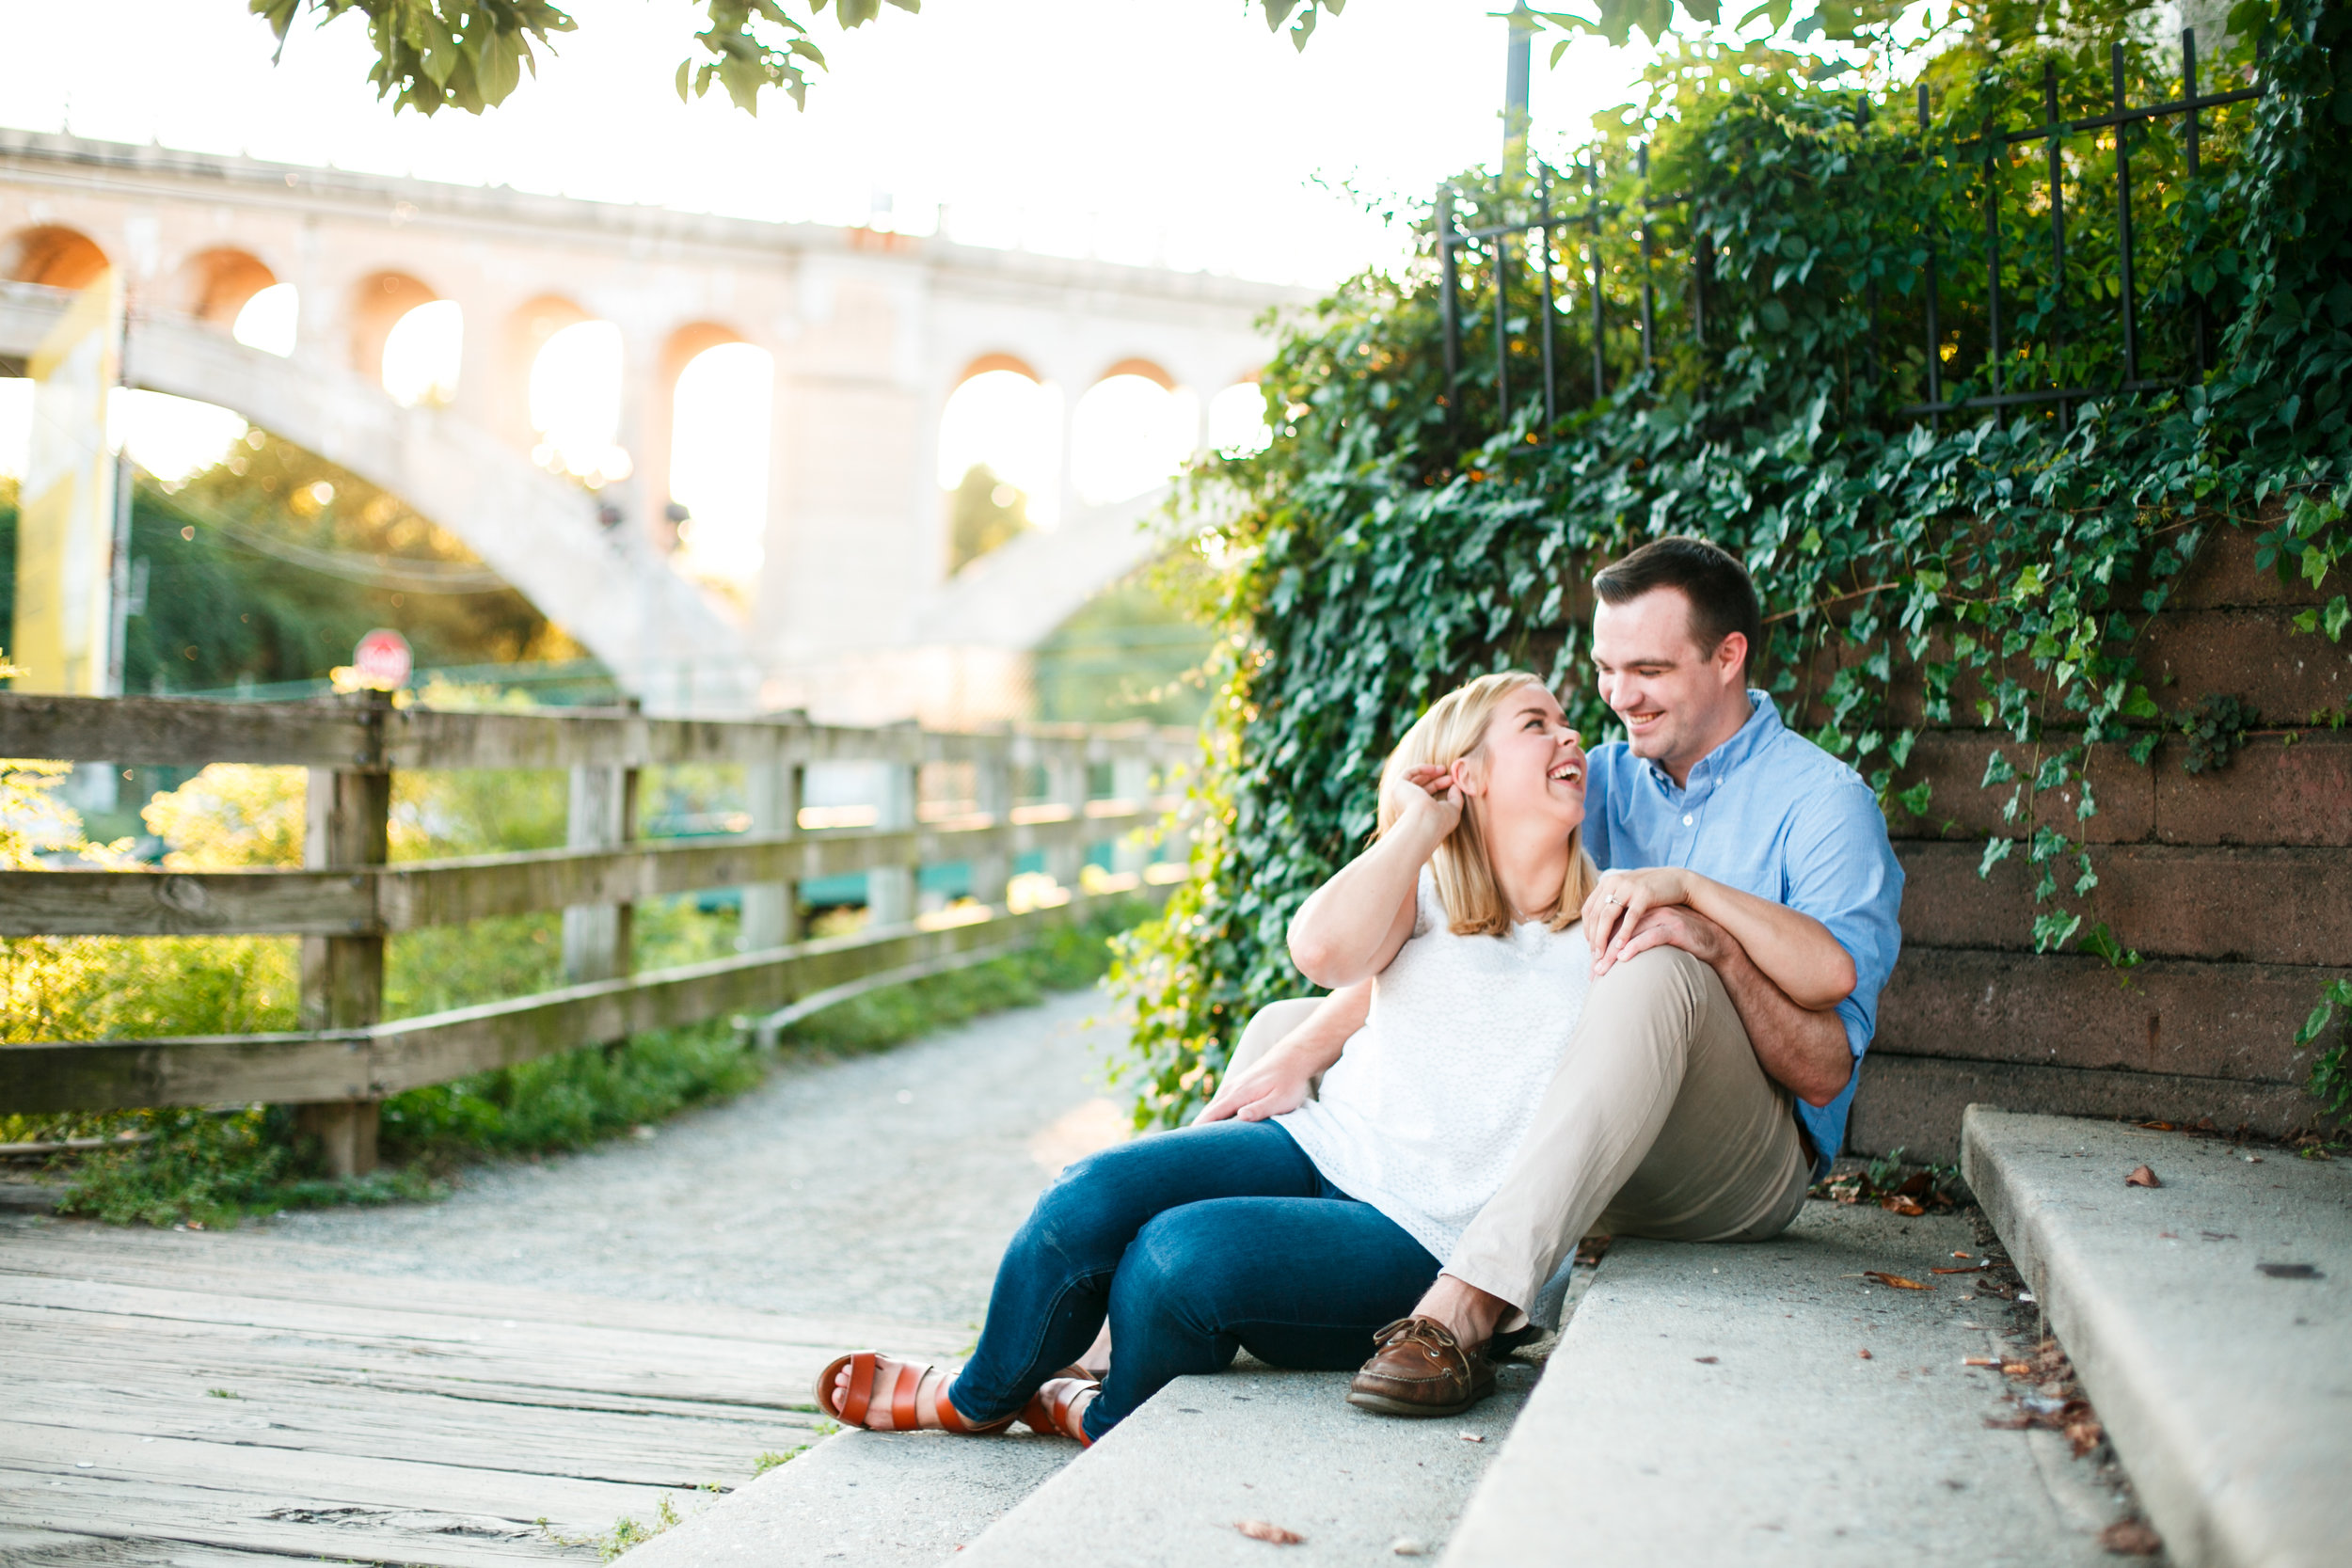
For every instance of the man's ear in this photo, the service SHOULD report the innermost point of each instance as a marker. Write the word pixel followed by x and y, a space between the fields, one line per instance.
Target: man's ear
pixel 1732 652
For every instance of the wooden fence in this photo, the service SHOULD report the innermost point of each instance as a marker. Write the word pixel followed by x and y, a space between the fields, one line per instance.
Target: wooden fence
pixel 346 899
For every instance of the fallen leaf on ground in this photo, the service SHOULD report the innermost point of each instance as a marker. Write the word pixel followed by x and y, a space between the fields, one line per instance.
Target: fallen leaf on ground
pixel 1898 1281
pixel 1864 1353
pixel 2141 1177
pixel 2084 1435
pixel 2131 1538
pixel 1257 1530
pixel 1706 1360
pixel 1900 1205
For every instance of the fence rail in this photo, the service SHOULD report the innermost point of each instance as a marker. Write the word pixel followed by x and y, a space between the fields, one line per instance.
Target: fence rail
pixel 1564 252
pixel 346 898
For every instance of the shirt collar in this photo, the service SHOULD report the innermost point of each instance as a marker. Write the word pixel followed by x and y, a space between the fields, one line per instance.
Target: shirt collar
pixel 1750 738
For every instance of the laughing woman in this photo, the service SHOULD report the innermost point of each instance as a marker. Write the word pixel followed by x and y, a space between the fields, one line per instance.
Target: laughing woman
pixel 1301 1226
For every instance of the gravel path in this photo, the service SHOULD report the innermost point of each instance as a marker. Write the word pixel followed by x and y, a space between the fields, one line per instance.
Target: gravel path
pixel 885 1186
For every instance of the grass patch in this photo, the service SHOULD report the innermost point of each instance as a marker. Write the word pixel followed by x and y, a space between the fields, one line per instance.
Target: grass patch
pixel 209 1169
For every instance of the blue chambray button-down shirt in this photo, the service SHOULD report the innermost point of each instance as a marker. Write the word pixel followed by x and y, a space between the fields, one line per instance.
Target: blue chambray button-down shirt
pixel 1772 814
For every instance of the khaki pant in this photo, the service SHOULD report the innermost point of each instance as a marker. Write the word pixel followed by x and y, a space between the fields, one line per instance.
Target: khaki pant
pixel 1660 1123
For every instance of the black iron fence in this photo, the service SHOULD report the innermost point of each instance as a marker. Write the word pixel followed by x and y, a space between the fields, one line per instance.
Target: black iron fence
pixel 2033 328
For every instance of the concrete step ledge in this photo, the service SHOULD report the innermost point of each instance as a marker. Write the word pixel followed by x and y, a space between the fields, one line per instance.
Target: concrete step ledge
pixel 1713 1404
pixel 1167 1486
pixel 865 1500
pixel 2226 1390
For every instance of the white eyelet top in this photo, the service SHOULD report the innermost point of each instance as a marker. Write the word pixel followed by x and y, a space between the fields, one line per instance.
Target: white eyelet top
pixel 1426 1106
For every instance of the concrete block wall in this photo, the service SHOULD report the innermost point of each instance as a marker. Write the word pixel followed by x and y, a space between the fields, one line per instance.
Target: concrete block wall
pixel 2235 886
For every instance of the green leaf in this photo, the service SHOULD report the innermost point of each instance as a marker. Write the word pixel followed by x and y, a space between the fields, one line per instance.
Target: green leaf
pixel 1995 851
pixel 2339 616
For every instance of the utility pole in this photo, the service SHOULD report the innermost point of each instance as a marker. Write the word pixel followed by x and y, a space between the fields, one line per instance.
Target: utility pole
pixel 1515 115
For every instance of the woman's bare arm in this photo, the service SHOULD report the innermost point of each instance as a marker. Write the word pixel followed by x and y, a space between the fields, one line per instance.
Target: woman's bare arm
pixel 1350 928
pixel 1278 1080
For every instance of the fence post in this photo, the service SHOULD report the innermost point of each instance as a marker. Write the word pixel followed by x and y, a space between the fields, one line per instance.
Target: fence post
pixel 890 889
pixel 992 788
pixel 1066 785
pixel 1131 780
pixel 347 822
pixel 603 815
pixel 771 910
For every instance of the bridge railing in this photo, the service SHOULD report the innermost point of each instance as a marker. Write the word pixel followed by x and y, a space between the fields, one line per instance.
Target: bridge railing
pixel 347 898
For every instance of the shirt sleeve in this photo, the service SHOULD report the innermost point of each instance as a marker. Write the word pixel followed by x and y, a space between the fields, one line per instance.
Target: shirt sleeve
pixel 1842 871
pixel 1597 768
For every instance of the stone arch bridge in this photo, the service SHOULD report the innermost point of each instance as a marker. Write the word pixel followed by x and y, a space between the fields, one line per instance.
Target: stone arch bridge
pixel 852 613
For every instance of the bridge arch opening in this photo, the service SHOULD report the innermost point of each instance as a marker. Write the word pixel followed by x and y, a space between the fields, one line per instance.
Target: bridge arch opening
pixel 235 289
pixel 406 337
pixel 1005 418
pixel 52 256
pixel 721 423
pixel 212 285
pixel 1131 431
pixel 575 401
pixel 1237 423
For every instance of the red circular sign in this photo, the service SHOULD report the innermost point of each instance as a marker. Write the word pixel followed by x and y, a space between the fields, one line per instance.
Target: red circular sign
pixel 381 659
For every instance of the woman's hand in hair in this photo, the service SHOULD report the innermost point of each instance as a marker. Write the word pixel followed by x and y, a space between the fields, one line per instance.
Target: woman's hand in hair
pixel 1425 797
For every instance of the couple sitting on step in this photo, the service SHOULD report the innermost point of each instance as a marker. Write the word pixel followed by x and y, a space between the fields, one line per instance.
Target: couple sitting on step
pixel 1625 992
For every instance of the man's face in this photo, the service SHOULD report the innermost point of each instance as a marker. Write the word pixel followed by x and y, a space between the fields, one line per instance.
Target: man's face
pixel 1678 703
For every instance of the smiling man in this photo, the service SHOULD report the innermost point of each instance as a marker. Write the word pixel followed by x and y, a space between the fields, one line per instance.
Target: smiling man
pixel 1707 1084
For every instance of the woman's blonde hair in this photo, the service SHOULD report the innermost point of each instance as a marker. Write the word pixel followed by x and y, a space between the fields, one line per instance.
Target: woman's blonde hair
pixel 1454 728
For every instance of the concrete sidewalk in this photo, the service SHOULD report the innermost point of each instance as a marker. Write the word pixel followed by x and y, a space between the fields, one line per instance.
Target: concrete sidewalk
pixel 2210 1320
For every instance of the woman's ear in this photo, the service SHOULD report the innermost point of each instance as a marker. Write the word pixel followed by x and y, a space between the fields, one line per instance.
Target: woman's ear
pixel 1469 775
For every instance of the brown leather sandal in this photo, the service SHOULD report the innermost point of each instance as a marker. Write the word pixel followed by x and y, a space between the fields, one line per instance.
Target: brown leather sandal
pixel 900 1398
pixel 1061 1406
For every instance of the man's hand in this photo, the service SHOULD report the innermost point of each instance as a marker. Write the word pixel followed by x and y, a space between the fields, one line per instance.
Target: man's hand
pixel 1802 1049
pixel 1275 1083
pixel 1674 926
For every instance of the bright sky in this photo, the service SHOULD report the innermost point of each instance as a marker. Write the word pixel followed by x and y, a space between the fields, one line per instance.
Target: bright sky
pixel 1173 129
pixel 1177 132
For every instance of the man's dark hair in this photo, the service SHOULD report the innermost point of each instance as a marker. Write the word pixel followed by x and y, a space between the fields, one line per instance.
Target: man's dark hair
pixel 1721 595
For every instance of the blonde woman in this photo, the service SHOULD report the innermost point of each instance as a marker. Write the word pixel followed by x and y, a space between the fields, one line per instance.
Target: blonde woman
pixel 1297 1230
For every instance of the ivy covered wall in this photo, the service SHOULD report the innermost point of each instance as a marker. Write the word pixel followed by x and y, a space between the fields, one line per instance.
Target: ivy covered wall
pixel 1990 576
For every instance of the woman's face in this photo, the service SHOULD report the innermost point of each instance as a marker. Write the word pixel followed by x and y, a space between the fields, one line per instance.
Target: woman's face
pixel 1533 762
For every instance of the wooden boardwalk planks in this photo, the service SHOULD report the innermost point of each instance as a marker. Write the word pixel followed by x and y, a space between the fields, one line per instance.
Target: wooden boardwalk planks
pixel 163 1404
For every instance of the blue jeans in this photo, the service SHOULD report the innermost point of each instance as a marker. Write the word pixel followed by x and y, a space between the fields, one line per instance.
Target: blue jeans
pixel 1195 1243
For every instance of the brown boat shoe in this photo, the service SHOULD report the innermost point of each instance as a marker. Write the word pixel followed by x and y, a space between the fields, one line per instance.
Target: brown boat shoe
pixel 1420 1368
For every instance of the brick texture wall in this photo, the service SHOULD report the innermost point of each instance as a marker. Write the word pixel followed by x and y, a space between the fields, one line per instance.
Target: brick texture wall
pixel 2235 887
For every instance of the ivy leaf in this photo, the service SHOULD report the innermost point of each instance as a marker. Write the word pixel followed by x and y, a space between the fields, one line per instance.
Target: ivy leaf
pixel 1995 851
